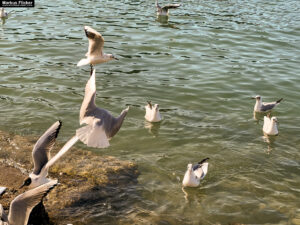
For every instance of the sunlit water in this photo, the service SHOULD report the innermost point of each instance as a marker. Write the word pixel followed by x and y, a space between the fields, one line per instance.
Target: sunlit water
pixel 202 66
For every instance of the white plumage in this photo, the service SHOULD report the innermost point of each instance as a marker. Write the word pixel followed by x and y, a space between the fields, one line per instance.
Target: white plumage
pixel 270 125
pixel 152 113
pixel 195 173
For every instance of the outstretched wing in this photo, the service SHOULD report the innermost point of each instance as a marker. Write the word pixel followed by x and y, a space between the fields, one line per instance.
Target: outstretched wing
pixel 41 150
pixel 96 41
pixel 22 205
pixel 88 105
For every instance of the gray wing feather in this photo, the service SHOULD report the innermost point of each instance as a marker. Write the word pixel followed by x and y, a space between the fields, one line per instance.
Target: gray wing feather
pixel 41 150
pixel 21 206
pixel 267 106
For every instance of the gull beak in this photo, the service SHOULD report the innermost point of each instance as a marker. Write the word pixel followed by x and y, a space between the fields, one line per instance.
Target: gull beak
pixel 22 186
pixel 253 98
pixel 116 58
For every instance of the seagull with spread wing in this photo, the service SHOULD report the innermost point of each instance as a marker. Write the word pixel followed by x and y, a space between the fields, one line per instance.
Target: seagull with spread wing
pixel 101 125
pixel 195 173
pixel 164 11
pixel 41 156
pixel 21 207
pixel 95 54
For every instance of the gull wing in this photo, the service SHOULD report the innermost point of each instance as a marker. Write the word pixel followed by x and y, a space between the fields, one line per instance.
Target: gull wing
pixel 61 152
pixel 268 106
pixel 267 122
pixel 41 150
pixel 96 41
pixel 170 6
pixel 88 105
pixel 21 206
pixel 93 135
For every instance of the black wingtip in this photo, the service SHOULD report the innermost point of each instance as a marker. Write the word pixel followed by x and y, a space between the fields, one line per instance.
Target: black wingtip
pixel 278 101
pixel 58 128
pixel 203 160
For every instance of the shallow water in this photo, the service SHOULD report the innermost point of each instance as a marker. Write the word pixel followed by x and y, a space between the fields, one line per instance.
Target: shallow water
pixel 202 66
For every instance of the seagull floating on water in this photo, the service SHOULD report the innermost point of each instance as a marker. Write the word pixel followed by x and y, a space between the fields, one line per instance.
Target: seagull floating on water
pixel 41 156
pixel 21 207
pixel 195 173
pixel 95 54
pixel 164 11
pixel 152 112
pixel 3 13
pixel 264 106
pixel 270 125
pixel 101 125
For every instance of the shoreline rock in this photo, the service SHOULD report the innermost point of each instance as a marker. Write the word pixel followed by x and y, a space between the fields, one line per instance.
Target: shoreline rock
pixel 86 179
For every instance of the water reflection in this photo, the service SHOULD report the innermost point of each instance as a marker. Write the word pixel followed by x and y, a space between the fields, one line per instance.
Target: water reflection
pixel 153 128
pixel 270 140
pixel 164 21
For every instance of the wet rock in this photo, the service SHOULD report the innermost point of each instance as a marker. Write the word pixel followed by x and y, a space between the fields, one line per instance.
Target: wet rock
pixel 87 180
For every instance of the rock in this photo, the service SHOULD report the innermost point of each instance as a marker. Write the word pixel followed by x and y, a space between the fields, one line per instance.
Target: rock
pixel 86 180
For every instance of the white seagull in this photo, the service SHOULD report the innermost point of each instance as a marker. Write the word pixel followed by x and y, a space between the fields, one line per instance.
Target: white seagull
pixel 41 156
pixel 20 208
pixel 195 173
pixel 3 13
pixel 270 125
pixel 264 106
pixel 164 11
pixel 152 112
pixel 95 54
pixel 101 125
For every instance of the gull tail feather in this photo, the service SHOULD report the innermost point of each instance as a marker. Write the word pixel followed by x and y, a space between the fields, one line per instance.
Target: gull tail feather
pixel 93 136
pixel 83 62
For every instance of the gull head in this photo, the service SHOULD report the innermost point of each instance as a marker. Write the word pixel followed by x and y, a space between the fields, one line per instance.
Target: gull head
pixel 190 167
pixel 257 97
pixel 27 182
pixel 156 107
pixel 274 119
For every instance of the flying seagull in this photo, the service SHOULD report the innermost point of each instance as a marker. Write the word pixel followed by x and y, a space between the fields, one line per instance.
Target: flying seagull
pixel 270 125
pixel 264 106
pixel 20 208
pixel 41 156
pixel 95 55
pixel 152 112
pixel 195 173
pixel 101 125
pixel 164 11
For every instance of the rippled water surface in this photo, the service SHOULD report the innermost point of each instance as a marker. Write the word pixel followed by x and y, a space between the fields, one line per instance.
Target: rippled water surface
pixel 202 66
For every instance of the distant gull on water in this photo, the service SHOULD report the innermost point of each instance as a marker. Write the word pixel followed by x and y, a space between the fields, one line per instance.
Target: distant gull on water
pixel 264 106
pixel 101 125
pixel 95 54
pixel 195 173
pixel 270 125
pixel 21 207
pixel 152 112
pixel 164 11
pixel 3 13
pixel 41 156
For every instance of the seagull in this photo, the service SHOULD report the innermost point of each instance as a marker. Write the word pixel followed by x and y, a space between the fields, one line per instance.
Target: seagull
pixel 101 125
pixel 3 13
pixel 164 11
pixel 264 106
pixel 195 173
pixel 95 54
pixel 41 156
pixel 20 208
pixel 270 125
pixel 152 112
